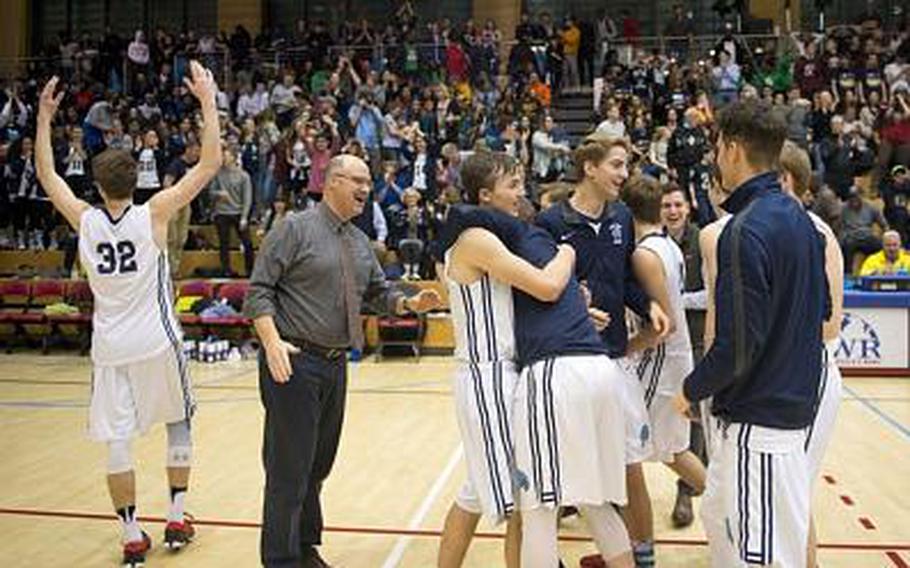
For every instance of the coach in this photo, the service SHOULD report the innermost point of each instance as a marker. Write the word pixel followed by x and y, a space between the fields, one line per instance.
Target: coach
pixel 764 366
pixel 312 274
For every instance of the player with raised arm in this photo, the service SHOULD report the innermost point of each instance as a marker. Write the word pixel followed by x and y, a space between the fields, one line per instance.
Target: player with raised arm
pixel 140 375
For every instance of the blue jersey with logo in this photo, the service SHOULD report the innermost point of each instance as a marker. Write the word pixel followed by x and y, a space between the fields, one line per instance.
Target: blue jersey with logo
pixel 604 248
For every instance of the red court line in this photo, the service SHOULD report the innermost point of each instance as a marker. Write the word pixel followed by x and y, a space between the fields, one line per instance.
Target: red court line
pixel 867 523
pixel 847 500
pixel 226 523
pixel 897 559
pixel 829 479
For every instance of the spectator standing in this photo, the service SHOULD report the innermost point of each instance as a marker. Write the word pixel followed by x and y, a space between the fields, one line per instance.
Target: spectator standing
pixel 570 36
pixel 726 77
pixel 549 156
pixel 232 197
pixel 150 159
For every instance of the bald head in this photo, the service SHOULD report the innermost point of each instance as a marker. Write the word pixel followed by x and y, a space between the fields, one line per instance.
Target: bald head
pixel 343 163
pixel 347 185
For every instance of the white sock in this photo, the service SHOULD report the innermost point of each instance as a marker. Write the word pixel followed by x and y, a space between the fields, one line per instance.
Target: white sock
pixel 608 530
pixel 175 513
pixel 538 538
pixel 129 525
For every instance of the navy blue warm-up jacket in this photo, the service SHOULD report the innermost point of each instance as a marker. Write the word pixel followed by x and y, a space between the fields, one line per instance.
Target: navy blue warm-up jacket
pixel 771 300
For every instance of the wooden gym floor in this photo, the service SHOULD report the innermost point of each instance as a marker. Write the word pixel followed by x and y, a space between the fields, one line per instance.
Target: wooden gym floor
pixel 397 471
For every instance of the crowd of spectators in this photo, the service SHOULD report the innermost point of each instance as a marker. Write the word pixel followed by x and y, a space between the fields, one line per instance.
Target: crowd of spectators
pixel 413 97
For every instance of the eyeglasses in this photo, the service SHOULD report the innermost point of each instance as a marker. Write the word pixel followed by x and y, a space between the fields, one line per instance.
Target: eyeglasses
pixel 356 180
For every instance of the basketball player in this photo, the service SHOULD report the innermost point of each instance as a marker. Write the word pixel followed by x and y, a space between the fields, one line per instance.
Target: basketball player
pixel 675 215
pixel 600 228
pixel 796 172
pixel 480 273
pixel 660 267
pixel 762 369
pixel 139 376
pixel 569 418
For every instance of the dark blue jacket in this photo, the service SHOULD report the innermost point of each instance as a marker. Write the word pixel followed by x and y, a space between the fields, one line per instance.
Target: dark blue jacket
pixel 604 263
pixel 542 329
pixel 771 300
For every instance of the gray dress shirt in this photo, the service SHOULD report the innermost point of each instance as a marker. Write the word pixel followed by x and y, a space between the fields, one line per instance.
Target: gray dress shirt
pixel 297 278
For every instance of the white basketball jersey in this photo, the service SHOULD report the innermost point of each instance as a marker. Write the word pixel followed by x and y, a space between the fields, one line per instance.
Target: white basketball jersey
pixel 675 353
pixel 134 316
pixel 483 318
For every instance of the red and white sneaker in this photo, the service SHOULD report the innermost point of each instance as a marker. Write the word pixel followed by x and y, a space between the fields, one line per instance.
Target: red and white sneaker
pixel 178 535
pixel 135 550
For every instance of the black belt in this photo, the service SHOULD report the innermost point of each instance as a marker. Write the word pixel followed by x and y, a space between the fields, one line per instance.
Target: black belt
pixel 330 353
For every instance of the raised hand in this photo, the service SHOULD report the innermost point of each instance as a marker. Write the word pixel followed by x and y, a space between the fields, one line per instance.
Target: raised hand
pixel 48 103
pixel 201 83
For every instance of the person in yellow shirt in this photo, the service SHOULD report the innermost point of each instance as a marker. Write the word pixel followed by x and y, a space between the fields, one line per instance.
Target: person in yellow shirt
pixel 570 36
pixel 892 259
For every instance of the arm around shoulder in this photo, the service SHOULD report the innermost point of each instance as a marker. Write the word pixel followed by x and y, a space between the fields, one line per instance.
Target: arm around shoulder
pixel 483 250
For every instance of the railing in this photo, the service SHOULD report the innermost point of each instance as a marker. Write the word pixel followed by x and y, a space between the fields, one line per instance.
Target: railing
pixel 88 64
pixel 685 49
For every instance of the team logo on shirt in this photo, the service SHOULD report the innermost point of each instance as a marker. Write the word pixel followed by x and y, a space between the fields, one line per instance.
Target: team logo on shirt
pixel 616 232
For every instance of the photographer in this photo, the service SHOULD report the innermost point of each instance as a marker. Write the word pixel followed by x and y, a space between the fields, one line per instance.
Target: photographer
pixel 367 120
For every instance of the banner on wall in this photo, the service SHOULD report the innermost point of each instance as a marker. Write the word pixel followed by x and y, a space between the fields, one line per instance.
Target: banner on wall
pixel 874 338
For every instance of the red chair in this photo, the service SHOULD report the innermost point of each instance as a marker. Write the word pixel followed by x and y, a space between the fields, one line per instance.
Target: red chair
pixel 202 288
pixel 233 293
pixel 44 293
pixel 15 299
pixel 77 327
pixel 47 292
pixel 406 331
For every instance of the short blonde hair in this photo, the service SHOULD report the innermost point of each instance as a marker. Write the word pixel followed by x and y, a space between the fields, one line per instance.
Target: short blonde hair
pixel 795 161
pixel 595 148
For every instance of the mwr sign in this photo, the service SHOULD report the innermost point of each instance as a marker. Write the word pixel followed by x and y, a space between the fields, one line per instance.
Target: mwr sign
pixel 873 337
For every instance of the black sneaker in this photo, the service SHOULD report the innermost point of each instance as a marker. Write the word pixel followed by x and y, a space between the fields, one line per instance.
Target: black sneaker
pixel 135 550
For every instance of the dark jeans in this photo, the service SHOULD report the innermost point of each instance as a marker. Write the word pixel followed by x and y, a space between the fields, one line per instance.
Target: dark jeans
pixel 224 224
pixel 303 420
pixel 33 215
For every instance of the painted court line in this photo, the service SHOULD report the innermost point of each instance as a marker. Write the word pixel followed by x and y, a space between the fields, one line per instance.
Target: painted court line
pixel 401 544
pixel 393 531
pixel 887 419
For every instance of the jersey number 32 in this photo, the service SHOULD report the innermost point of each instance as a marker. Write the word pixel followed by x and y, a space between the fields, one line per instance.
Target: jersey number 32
pixel 117 258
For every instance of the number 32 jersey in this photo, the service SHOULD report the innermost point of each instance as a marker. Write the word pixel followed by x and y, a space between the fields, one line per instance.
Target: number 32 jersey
pixel 134 310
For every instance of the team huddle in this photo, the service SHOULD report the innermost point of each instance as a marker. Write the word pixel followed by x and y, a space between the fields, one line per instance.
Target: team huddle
pixel 559 403
pixel 574 356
